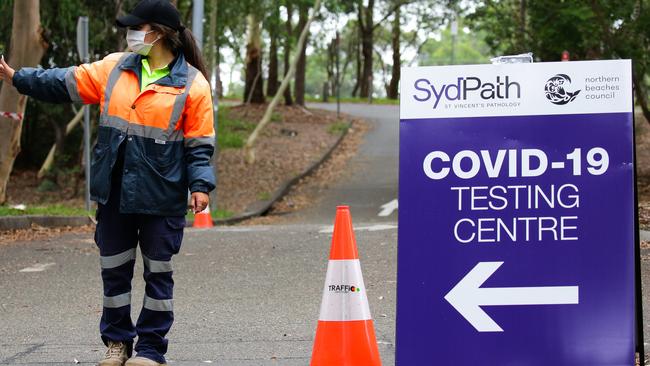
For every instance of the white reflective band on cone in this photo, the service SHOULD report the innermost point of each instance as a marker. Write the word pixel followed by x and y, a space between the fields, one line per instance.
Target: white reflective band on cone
pixel 339 303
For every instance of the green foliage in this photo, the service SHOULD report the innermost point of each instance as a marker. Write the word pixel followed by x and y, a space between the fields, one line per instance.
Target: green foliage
pixel 216 214
pixel 589 30
pixel 338 127
pixel 47 185
pixel 6 12
pixel 222 214
pixel 316 72
pixel 470 48
pixel 47 210
pixel 232 132
pixel 357 100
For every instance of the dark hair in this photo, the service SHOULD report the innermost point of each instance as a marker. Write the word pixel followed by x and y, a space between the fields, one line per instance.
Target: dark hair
pixel 182 41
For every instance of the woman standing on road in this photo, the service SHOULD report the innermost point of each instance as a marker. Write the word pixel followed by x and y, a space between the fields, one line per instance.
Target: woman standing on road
pixel 154 142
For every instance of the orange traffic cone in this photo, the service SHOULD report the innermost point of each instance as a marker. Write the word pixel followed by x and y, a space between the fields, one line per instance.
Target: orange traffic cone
pixel 203 219
pixel 345 335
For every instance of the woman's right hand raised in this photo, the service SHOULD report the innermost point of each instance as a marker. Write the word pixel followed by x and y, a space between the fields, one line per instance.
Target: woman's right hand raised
pixel 6 72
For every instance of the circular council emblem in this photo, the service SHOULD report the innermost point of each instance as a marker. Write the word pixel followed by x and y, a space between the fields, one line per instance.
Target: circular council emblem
pixel 556 92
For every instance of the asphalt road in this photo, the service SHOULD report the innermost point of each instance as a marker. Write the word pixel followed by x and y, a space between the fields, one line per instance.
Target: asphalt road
pixel 371 180
pixel 246 295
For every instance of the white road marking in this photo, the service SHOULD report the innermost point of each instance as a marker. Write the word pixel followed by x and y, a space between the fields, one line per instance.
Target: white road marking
pixel 378 227
pixel 39 267
pixel 388 208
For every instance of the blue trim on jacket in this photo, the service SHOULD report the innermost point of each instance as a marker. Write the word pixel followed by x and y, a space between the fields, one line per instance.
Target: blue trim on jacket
pixel 46 85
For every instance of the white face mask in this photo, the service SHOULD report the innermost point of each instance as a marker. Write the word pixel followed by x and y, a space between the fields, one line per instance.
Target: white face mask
pixel 135 41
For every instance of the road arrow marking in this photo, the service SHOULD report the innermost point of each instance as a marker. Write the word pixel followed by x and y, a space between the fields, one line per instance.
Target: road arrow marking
pixel 388 208
pixel 467 296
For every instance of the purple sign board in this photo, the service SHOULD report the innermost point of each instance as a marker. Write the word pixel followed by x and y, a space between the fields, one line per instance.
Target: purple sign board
pixel 516 215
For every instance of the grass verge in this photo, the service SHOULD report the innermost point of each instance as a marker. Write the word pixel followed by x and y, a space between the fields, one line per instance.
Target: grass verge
pixel 232 131
pixel 218 214
pixel 338 128
pixel 47 210
pixel 379 101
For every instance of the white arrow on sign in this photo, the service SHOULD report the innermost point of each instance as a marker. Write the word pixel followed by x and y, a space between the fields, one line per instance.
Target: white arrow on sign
pixel 467 296
pixel 388 208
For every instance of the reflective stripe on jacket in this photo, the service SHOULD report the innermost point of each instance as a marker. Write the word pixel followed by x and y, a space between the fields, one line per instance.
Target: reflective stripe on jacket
pixel 167 126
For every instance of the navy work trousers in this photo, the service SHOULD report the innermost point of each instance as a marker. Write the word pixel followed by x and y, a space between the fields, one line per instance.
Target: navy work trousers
pixel 117 236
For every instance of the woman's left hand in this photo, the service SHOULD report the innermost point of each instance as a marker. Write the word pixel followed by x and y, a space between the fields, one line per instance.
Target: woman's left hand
pixel 6 72
pixel 199 201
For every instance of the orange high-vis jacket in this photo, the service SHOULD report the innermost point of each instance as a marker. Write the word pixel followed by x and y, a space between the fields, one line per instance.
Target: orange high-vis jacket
pixel 167 127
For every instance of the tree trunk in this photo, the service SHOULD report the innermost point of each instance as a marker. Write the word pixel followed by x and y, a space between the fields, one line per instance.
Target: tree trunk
pixel 272 83
pixel 367 31
pixel 121 41
pixel 288 100
pixel 331 68
pixel 522 26
pixel 357 56
pixel 641 94
pixel 211 44
pixel 27 49
pixel 366 74
pixel 218 71
pixel 393 87
pixel 53 174
pixel 301 68
pixel 49 160
pixel 254 90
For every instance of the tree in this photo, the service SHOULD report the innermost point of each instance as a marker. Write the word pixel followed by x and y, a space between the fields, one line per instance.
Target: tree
pixel 211 44
pixel 589 30
pixel 250 142
pixel 470 48
pixel 299 87
pixel 288 100
pixel 365 21
pixel 27 49
pixel 253 89
pixel 393 91
pixel 273 25
pixel 367 26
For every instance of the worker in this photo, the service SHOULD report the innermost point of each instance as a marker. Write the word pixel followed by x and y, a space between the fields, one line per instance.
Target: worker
pixel 154 142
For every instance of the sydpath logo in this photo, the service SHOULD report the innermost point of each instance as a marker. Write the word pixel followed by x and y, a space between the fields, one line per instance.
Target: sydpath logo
pixel 555 90
pixel 467 88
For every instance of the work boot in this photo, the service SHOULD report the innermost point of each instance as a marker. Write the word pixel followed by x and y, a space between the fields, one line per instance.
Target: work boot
pixel 141 361
pixel 115 355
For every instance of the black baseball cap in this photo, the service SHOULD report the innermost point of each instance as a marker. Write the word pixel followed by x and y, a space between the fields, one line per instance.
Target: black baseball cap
pixel 152 11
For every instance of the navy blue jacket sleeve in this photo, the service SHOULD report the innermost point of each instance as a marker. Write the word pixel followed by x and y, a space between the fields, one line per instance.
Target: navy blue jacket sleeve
pixel 200 173
pixel 46 85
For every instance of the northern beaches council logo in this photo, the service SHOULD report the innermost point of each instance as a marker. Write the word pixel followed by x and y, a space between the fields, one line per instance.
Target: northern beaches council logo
pixel 555 90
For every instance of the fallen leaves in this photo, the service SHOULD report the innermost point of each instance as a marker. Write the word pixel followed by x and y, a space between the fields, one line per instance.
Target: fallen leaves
pixel 40 233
